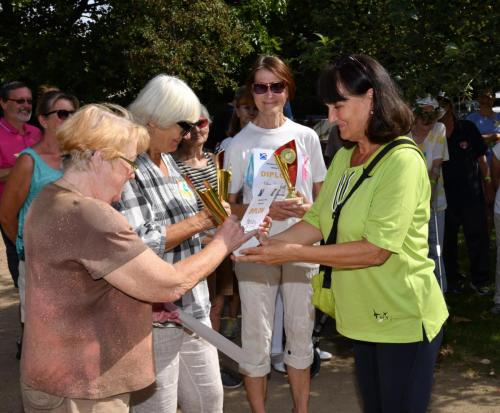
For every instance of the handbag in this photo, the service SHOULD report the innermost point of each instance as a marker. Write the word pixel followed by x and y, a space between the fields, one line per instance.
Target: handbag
pixel 323 297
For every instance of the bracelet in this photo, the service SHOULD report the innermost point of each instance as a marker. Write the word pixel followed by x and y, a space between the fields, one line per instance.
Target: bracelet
pixel 487 179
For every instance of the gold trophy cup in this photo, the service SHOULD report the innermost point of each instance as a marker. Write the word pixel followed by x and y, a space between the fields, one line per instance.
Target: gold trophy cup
pixel 286 157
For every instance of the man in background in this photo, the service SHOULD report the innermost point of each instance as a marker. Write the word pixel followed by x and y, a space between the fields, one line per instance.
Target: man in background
pixel 16 102
pixel 487 121
pixel 468 187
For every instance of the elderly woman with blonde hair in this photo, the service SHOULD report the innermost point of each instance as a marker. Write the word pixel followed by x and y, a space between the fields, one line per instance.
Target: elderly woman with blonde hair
pixel 162 209
pixel 90 278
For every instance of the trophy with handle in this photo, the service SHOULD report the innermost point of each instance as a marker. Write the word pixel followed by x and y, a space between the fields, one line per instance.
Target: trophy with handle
pixel 223 177
pixel 286 159
pixel 211 200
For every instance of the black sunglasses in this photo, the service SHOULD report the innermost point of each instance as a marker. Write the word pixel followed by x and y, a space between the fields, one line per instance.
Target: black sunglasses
pixel 22 101
pixel 275 87
pixel 186 127
pixel 62 114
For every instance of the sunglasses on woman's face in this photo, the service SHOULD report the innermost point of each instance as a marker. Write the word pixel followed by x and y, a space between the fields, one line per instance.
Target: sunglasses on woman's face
pixel 202 123
pixel 62 114
pixel 186 127
pixel 275 87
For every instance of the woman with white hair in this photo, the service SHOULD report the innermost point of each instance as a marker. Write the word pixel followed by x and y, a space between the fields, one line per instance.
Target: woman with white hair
pixel 430 136
pixel 162 209
pixel 90 279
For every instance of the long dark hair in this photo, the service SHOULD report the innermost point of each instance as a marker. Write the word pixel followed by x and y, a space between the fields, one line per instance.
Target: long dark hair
pixel 391 117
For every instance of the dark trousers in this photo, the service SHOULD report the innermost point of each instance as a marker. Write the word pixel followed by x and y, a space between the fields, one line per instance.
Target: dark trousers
pixel 473 220
pixel 396 378
pixel 12 258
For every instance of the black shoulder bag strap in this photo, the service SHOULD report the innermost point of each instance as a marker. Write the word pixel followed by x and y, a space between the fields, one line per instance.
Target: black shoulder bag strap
pixel 332 238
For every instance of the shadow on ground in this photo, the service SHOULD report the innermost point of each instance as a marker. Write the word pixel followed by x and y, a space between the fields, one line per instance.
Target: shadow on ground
pixel 333 390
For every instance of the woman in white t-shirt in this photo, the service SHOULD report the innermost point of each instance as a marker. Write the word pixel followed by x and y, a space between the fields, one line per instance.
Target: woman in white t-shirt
pixel 250 153
pixel 430 136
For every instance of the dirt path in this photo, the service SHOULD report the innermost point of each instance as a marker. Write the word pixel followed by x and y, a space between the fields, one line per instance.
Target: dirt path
pixel 333 390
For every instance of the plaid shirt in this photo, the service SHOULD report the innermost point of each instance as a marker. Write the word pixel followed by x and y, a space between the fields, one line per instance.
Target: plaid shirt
pixel 152 201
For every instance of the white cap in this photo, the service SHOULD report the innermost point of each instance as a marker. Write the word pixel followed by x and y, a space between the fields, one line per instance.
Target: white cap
pixel 427 101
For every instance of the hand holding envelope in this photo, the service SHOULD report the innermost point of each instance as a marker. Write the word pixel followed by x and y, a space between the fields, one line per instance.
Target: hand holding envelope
pixel 256 216
pixel 283 209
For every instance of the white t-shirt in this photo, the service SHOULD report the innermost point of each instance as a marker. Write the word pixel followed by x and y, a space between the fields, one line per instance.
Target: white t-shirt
pixel 224 144
pixel 496 152
pixel 435 147
pixel 246 144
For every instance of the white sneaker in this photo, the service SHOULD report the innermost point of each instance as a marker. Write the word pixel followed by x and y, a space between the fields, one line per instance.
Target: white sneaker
pixel 324 355
pixel 279 367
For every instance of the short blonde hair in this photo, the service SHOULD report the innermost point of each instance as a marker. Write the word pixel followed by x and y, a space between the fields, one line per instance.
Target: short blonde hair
pixel 164 101
pixel 97 127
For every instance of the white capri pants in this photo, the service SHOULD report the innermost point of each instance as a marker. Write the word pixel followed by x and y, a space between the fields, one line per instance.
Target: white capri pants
pixel 258 286
pixel 187 374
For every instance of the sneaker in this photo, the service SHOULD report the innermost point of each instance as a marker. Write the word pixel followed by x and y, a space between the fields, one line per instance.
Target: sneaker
pixel 230 380
pixel 495 310
pixel 279 367
pixel 324 355
pixel 230 328
pixel 481 290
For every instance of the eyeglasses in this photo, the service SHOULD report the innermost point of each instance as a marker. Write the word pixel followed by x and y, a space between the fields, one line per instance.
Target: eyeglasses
pixel 202 123
pixel 132 164
pixel 22 101
pixel 186 127
pixel 275 87
pixel 62 114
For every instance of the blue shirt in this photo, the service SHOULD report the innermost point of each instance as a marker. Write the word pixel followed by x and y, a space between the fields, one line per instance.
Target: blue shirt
pixel 42 175
pixel 486 124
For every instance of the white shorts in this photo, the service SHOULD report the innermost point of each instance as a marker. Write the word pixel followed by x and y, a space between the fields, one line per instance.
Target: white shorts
pixel 258 286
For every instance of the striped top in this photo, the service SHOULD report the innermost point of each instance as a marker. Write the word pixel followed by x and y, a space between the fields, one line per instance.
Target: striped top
pixel 198 175
pixel 153 201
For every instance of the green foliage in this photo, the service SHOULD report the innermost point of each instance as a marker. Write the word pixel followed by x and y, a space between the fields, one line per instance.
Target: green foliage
pixel 427 46
pixel 109 49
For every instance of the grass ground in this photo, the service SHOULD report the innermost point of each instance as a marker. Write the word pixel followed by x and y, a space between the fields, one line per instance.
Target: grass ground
pixel 472 333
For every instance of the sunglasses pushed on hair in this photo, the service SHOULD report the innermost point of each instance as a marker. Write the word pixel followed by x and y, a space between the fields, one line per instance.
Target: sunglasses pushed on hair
pixel 62 114
pixel 275 87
